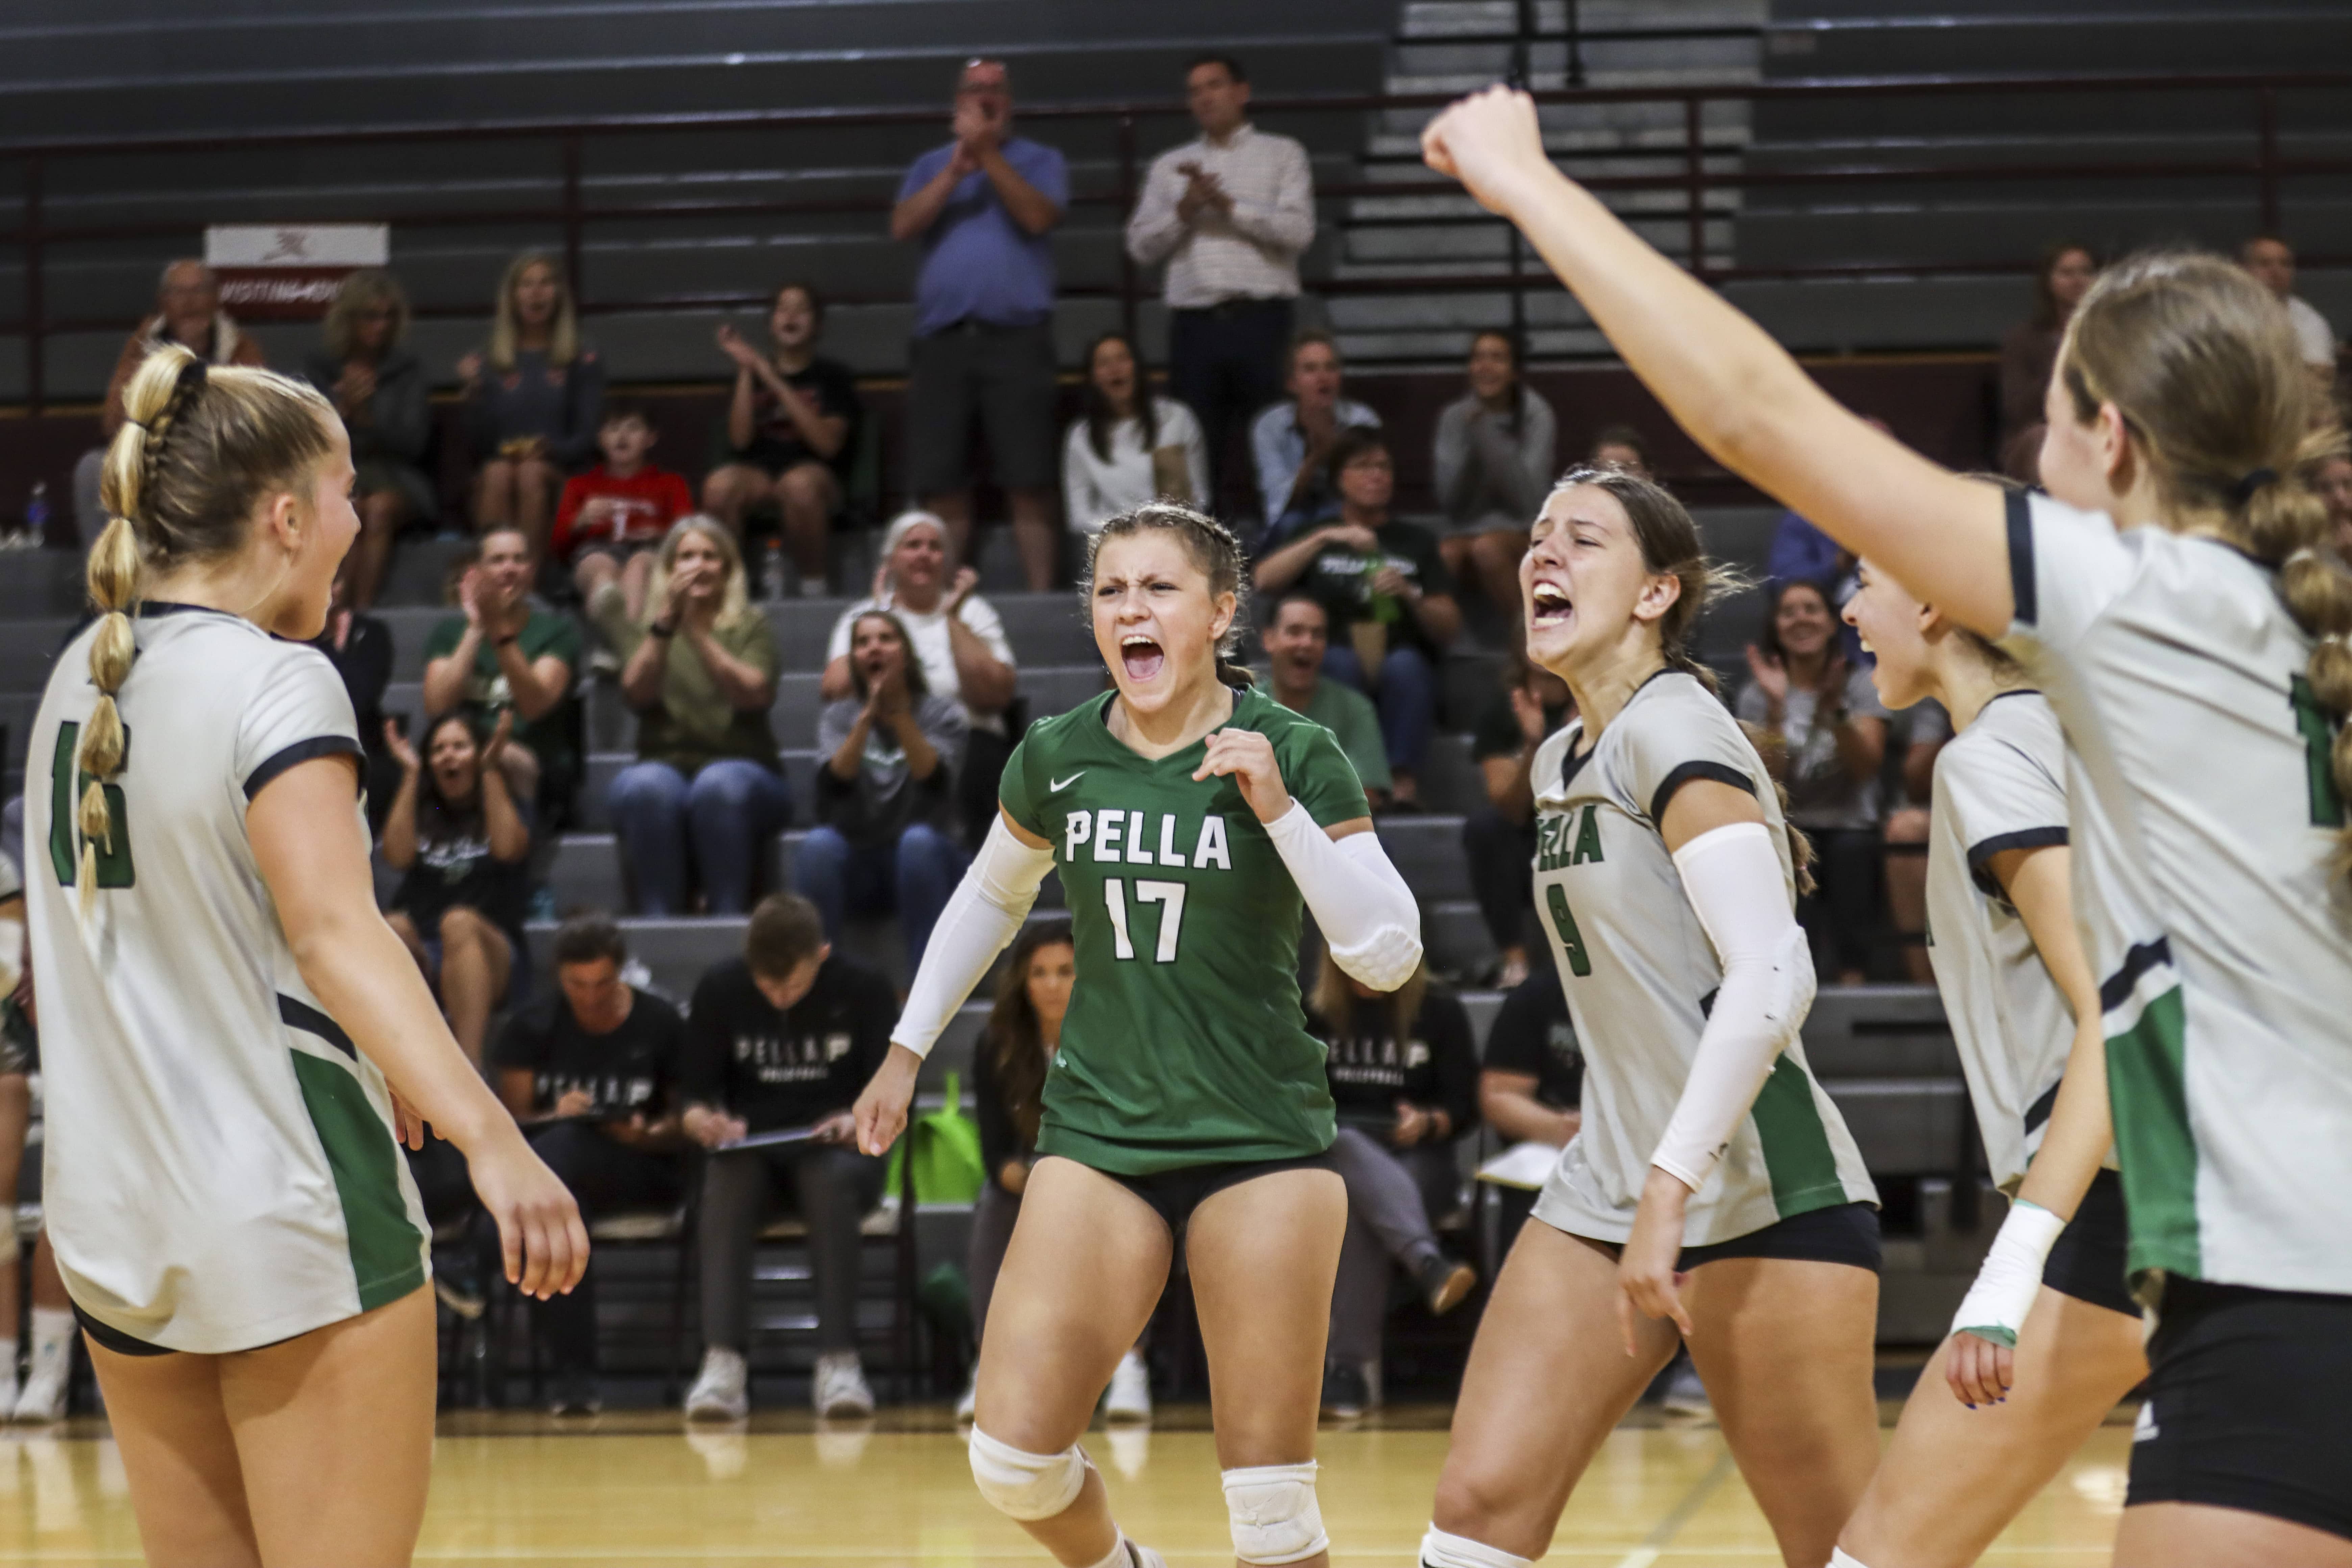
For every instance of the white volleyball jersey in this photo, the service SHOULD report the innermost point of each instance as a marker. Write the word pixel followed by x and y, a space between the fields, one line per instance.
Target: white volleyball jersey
pixel 219 1168
pixel 2202 891
pixel 2000 784
pixel 1640 974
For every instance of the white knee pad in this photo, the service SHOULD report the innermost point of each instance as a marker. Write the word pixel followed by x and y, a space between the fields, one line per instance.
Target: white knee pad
pixel 1275 1516
pixel 1841 1558
pixel 1439 1550
pixel 1026 1487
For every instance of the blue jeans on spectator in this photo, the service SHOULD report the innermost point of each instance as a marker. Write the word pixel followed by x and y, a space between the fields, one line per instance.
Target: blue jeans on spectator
pixel 911 878
pixel 1407 696
pixel 729 811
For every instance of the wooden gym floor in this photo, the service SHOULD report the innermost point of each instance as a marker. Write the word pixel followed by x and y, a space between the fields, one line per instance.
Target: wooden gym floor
pixel 635 1489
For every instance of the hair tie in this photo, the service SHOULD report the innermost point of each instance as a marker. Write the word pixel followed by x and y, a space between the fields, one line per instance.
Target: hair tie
pixel 191 379
pixel 2244 490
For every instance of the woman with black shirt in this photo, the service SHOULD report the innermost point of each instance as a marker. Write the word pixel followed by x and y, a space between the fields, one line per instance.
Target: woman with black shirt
pixel 462 841
pixel 1404 1081
pixel 1531 1080
pixel 1008 1087
pixel 360 648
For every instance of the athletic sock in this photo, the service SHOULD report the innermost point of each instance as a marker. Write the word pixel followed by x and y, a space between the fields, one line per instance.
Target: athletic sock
pixel 1118 1558
pixel 1439 1550
pixel 1841 1558
pixel 53 1333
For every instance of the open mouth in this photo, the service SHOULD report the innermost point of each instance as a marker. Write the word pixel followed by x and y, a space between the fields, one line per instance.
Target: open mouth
pixel 1142 657
pixel 1547 605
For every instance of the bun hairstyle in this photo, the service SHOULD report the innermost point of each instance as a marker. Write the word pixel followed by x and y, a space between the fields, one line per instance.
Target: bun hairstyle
pixel 1213 548
pixel 1671 547
pixel 198 450
pixel 2201 364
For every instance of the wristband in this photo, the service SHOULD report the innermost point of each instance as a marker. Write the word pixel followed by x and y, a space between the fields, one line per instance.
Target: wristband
pixel 1996 1305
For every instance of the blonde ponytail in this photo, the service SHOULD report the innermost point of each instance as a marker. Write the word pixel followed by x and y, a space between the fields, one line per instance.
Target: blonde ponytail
pixel 197 449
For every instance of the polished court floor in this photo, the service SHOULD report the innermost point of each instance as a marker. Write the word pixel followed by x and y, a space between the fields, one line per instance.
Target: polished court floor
pixel 638 1489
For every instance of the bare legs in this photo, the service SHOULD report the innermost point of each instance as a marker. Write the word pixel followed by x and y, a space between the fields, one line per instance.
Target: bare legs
pixel 1907 889
pixel 516 492
pixel 1034 531
pixel 597 568
pixel 1492 561
pixel 1784 1348
pixel 315 1451
pixel 806 496
pixel 476 962
pixel 1087 1262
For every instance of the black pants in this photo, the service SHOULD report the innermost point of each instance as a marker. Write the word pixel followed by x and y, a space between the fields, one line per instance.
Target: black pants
pixel 1224 363
pixel 830 1189
pixel 1500 852
pixel 1844 916
pixel 603 1176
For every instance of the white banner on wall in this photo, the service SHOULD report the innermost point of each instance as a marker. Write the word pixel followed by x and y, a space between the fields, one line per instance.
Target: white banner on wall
pixel 290 271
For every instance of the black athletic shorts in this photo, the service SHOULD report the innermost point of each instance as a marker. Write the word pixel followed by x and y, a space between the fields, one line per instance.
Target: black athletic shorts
pixel 1843 1233
pixel 2246 1398
pixel 121 1343
pixel 1174 1195
pixel 2087 1261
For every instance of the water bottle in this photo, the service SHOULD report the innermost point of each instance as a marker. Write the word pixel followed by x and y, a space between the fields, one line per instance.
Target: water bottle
pixel 1379 606
pixel 37 514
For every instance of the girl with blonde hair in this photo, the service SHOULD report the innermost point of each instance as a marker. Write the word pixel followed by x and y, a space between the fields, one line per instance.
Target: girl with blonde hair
pixel 377 386
pixel 534 398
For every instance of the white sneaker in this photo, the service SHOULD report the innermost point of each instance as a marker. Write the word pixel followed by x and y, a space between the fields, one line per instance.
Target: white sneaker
pixel 1129 1395
pixel 838 1389
pixel 720 1393
pixel 44 1397
pixel 971 1400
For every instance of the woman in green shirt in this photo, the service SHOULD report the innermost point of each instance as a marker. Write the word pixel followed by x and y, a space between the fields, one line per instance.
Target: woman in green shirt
pixel 699 672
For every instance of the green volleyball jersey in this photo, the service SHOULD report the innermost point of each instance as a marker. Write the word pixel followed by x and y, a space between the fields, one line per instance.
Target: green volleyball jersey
pixel 1185 1043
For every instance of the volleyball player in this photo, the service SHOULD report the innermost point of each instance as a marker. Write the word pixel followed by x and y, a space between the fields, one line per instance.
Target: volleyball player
pixel 1712 1182
pixel 224 1016
pixel 2048 1340
pixel 2173 597
pixel 1189 815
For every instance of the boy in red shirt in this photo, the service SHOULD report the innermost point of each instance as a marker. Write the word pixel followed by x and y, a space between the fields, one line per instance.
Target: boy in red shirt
pixel 613 518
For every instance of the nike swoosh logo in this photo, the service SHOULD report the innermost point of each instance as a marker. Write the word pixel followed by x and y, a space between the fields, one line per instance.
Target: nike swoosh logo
pixel 1059 785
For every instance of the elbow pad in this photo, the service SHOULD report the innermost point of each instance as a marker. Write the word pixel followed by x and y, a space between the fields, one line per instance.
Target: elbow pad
pixel 1733 879
pixel 1367 914
pixel 980 917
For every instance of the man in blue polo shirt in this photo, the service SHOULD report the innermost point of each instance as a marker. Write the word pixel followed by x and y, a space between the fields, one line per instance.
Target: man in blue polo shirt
pixel 981 207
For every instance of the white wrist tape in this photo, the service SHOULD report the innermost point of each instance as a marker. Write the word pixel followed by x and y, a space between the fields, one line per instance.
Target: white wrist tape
pixel 1365 911
pixel 12 955
pixel 2010 1276
pixel 1732 877
pixel 981 915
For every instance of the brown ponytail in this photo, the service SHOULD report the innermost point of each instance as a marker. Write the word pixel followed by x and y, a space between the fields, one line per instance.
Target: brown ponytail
pixel 1213 548
pixel 2202 364
pixel 1671 547
pixel 197 451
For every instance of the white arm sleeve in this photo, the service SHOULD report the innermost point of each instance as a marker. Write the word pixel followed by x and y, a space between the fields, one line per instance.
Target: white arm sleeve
pixel 12 954
pixel 1366 913
pixel 981 915
pixel 1733 879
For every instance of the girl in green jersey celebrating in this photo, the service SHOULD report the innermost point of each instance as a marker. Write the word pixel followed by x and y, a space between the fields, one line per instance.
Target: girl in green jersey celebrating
pixel 1190 816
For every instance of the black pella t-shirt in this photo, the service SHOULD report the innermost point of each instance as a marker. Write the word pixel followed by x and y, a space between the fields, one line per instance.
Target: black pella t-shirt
pixel 627 1071
pixel 777 1069
pixel 1532 1033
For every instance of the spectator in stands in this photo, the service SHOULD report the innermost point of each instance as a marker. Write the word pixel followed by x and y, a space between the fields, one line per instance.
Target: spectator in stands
pixel 1494 462
pixel 378 387
pixel 959 642
pixel 1531 1080
pixel 534 398
pixel 49 1369
pixel 1129 446
pixel 596 1066
pixel 884 840
pixel 614 518
pixel 1383 580
pixel 792 432
pixel 1291 441
pixel 1403 1068
pixel 2030 349
pixel 1230 212
pixel 188 312
pixel 2272 261
pixel 360 648
pixel 779 1040
pixel 503 651
pixel 1498 838
pixel 1822 732
pixel 2332 477
pixel 698 670
pixel 1800 552
pixel 1621 447
pixel 981 207
pixel 1928 730
pixel 463 846
pixel 1008 1081
pixel 1295 640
